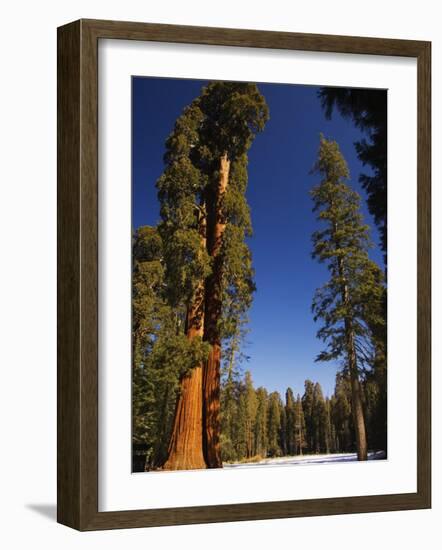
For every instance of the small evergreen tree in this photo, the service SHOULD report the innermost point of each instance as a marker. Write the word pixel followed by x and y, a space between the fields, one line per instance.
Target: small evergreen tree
pixel 250 414
pixel 328 435
pixel 274 424
pixel 319 420
pixel 290 421
pixel 282 428
pixel 307 405
pixel 300 431
pixel 261 441
pixel 341 414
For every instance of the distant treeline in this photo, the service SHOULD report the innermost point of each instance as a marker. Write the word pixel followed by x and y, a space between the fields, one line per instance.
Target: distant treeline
pixel 257 424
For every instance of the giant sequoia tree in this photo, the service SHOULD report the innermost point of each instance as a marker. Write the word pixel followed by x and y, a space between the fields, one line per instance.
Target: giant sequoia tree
pixel 161 353
pixel 209 277
pixel 350 303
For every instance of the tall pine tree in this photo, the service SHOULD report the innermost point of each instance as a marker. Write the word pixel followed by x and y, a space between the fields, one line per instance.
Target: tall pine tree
pixel 368 110
pixel 352 298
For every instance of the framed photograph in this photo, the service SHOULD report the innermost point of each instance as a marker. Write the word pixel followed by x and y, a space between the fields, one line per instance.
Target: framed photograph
pixel 243 275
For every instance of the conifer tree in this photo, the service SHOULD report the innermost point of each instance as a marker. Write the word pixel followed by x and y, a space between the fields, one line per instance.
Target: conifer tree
pixel 351 300
pixel 368 110
pixel 183 231
pixel 307 405
pixel 300 437
pixel 282 428
pixel 147 305
pixel 334 440
pixel 261 442
pixel 319 420
pixel 329 440
pixel 241 433
pixel 229 407
pixel 341 414
pixel 205 220
pixel 160 350
pixel 233 114
pixel 290 421
pixel 250 407
pixel 273 424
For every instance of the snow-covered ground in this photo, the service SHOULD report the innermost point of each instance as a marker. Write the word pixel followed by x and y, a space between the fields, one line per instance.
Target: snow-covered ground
pixel 306 459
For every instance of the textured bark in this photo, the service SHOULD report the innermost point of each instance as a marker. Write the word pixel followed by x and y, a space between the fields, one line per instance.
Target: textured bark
pixel 358 414
pixel 356 397
pixel 185 448
pixel 211 408
pixel 186 443
pixel 211 376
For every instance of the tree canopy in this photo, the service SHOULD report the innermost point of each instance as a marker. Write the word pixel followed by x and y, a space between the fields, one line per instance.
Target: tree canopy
pixel 368 109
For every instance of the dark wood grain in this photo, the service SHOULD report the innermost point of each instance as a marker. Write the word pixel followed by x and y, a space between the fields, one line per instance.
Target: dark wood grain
pixel 424 274
pixel 68 275
pixel 77 460
pixel 252 38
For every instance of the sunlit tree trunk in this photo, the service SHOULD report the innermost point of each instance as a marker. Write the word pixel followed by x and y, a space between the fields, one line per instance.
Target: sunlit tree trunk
pixel 185 450
pixel 211 371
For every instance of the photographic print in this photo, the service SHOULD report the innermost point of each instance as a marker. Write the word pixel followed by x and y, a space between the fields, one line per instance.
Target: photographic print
pixel 259 274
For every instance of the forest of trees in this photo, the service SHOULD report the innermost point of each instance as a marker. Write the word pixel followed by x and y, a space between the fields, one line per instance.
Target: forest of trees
pixel 193 406
pixel 257 424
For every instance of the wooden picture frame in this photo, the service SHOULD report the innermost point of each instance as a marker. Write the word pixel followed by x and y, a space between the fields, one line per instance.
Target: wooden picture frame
pixel 78 274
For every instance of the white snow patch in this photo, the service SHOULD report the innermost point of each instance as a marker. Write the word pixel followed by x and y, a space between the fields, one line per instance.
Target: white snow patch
pixel 306 459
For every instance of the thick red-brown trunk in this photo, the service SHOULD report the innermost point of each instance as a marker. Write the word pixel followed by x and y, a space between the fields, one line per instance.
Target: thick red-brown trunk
pixel 186 443
pixel 211 408
pixel 211 376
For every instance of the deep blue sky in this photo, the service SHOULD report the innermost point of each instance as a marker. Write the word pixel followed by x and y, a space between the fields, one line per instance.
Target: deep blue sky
pixel 281 343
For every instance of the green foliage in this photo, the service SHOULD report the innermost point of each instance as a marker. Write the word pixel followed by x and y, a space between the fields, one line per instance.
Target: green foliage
pixel 257 425
pixel 234 113
pixel 341 413
pixel 260 431
pixel 223 119
pixel 321 421
pixel 290 418
pixel 307 407
pixel 368 109
pixel 273 424
pixel 161 351
pixel 351 304
pixel 172 262
pixel 300 427
pixel 353 294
